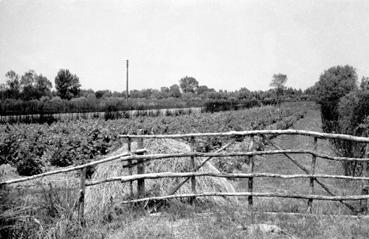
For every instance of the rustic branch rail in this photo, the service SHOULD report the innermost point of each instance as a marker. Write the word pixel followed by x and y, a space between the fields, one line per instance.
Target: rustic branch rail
pixel 235 154
pixel 221 175
pixel 66 170
pixel 256 132
pixel 254 194
pixel 127 156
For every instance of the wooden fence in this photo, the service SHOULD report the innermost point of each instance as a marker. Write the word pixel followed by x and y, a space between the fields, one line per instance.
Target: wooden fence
pixel 138 159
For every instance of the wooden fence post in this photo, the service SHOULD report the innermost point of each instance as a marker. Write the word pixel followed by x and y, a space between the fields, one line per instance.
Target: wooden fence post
pixel 130 170
pixel 193 167
pixel 312 172
pixel 251 179
pixel 365 186
pixel 81 201
pixel 251 170
pixel 140 167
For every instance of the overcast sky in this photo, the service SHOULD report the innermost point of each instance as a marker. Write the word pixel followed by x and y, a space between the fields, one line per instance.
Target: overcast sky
pixel 223 44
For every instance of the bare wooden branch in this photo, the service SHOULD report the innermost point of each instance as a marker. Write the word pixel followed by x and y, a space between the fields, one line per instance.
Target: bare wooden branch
pixel 259 132
pixel 233 154
pixel 329 216
pixel 126 157
pixel 69 169
pixel 255 194
pixel 222 175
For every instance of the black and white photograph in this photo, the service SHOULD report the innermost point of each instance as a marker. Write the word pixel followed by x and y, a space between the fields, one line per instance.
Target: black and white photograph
pixel 184 119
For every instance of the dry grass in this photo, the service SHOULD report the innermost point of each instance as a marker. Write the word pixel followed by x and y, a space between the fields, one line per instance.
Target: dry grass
pixel 101 198
pixel 232 221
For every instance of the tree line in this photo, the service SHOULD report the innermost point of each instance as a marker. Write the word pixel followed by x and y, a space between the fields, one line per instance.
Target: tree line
pixel 33 93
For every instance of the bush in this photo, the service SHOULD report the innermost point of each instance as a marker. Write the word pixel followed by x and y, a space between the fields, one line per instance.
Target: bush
pixel 219 105
pixel 353 111
pixel 28 164
pixel 333 84
pixel 62 157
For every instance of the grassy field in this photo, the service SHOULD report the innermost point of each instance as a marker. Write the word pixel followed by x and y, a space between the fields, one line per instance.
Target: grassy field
pixel 207 219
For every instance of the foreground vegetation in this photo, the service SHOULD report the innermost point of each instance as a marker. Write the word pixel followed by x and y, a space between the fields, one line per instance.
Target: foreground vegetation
pixel 32 148
pixel 48 210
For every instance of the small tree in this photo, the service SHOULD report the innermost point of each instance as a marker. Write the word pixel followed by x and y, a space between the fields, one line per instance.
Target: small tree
pixel 278 82
pixel 67 85
pixel 174 91
pixel 12 85
pixel 188 84
pixel 34 86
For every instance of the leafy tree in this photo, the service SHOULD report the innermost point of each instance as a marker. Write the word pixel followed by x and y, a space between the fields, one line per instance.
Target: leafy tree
pixel 43 86
pixel 12 85
pixel 278 81
pixel 164 92
pixel 202 89
pixel 67 84
pixel 188 84
pixel 174 91
pixel 103 94
pixel 333 84
pixel 34 86
pixel 243 94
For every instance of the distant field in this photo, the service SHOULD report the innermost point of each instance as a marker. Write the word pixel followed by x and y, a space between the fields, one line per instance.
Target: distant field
pixel 70 142
pixel 51 118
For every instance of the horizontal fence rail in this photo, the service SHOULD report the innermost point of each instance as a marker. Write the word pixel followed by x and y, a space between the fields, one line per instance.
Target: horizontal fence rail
pixel 130 156
pixel 254 194
pixel 239 154
pixel 221 175
pixel 256 132
pixel 70 169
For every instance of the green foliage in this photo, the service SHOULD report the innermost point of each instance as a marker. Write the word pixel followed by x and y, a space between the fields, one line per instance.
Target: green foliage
pixel 67 84
pixel 333 84
pixel 12 87
pixel 29 164
pixel 188 84
pixel 278 81
pixel 34 86
pixel 346 108
pixel 174 91
pixel 361 111
pixel 353 111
